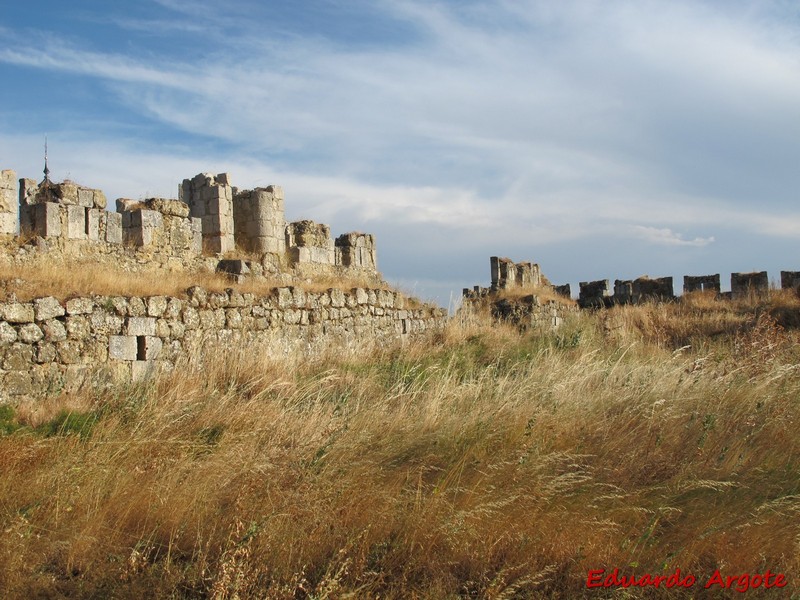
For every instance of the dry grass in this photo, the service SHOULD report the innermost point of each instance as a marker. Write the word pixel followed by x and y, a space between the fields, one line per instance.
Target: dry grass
pixel 479 464
pixel 71 277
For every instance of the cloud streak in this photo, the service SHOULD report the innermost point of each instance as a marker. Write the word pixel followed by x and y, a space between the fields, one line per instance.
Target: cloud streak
pixel 513 125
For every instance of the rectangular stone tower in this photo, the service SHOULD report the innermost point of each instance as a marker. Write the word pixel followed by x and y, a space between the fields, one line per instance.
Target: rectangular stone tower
pixel 9 208
pixel 259 221
pixel 210 198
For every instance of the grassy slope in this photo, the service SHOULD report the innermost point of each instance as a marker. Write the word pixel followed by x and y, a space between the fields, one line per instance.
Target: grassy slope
pixel 480 464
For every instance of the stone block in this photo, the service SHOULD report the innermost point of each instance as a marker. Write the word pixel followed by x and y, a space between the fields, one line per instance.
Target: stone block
pixel 44 352
pixel 93 216
pixel 100 200
pixel 80 306
pixel 146 218
pixel 8 223
pixel 47 308
pixel 123 347
pixel 149 347
pixel 86 197
pixel 138 236
pixel 113 227
pixel 54 331
pixel 18 357
pixel 76 223
pixel 141 326
pixel 66 192
pixel 136 307
pixel 69 352
pixel 16 312
pixel 18 383
pixel 165 206
pixel 46 219
pixel 30 333
pixel 156 306
pixel 78 327
pixel 217 244
pixel 8 334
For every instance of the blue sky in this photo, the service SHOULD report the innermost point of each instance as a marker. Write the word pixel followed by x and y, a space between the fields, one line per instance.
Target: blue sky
pixel 600 139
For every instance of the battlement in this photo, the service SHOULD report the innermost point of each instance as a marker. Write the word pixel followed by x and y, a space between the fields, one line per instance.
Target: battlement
pixel 208 219
pixel 597 293
pixel 507 274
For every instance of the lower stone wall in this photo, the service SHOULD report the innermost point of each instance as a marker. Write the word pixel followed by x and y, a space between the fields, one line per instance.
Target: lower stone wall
pixel 526 312
pixel 47 346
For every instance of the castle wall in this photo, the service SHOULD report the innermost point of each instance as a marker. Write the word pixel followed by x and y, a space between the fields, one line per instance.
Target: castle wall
pixel 9 209
pixel 507 274
pixel 356 250
pixel 744 284
pixel 161 225
pixel 790 280
pixel 47 346
pixel 530 313
pixel 308 242
pixel 701 283
pixel 259 221
pixel 593 293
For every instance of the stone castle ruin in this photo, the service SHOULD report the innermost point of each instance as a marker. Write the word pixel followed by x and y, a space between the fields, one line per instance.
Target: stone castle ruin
pixel 209 219
pixel 48 345
pixel 515 296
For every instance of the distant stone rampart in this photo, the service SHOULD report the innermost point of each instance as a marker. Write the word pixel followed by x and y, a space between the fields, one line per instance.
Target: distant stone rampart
pixel 598 293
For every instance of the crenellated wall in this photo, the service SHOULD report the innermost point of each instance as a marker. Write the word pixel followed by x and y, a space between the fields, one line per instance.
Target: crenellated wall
pixel 597 293
pixel 47 346
pixel 210 218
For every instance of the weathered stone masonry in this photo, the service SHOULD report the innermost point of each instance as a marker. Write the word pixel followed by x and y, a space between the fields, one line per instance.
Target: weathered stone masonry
pixel 210 218
pixel 47 346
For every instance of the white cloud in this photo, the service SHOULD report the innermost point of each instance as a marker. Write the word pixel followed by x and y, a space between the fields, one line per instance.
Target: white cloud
pixel 667 237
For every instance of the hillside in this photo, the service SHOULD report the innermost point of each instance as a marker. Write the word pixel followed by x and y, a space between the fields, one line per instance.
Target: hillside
pixel 477 463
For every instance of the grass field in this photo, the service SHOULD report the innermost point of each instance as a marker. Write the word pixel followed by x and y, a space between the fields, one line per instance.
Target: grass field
pixel 481 463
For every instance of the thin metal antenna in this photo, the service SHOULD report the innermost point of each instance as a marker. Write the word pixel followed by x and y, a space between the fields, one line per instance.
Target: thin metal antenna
pixel 46 169
pixel 46 183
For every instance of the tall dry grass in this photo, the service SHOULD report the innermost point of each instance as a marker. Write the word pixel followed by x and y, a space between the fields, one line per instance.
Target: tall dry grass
pixel 478 464
pixel 69 277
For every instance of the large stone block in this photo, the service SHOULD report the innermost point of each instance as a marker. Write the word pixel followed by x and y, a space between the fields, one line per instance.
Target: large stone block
pixel 8 335
pixel 80 306
pixel 217 244
pixel 122 347
pixel 141 326
pixel 93 216
pixel 47 308
pixel 113 227
pixel 100 200
pixel 45 219
pixel 86 197
pixel 16 312
pixel 76 223
pixel 149 347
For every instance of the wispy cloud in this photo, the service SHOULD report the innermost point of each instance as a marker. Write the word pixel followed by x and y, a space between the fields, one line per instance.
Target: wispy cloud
pixel 516 124
pixel 667 237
